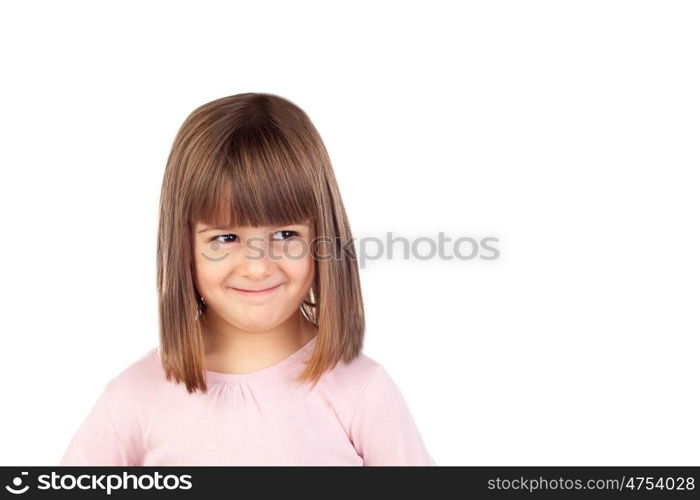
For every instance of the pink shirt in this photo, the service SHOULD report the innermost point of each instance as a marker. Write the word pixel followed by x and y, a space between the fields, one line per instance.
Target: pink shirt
pixel 356 415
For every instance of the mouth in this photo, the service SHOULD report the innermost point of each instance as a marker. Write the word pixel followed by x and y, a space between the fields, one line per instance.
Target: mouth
pixel 256 293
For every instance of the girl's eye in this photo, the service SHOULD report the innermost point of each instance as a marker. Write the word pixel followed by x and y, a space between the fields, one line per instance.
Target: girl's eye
pixel 232 238
pixel 216 238
pixel 289 234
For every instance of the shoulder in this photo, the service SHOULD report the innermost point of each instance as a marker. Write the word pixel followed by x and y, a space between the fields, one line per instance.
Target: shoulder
pixel 344 386
pixel 141 378
pixel 354 375
pixel 112 433
pixel 364 376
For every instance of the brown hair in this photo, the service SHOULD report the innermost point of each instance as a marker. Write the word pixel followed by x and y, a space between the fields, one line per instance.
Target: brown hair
pixel 253 159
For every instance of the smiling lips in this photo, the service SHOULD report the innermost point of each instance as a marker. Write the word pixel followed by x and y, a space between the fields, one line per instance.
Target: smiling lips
pixel 263 291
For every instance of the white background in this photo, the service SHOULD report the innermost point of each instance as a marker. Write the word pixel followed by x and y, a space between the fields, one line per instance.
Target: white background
pixel 567 130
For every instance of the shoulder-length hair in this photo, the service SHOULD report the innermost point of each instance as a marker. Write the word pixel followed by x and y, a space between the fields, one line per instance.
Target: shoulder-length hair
pixel 253 159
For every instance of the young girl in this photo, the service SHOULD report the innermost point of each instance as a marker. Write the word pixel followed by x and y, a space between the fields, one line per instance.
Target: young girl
pixel 261 318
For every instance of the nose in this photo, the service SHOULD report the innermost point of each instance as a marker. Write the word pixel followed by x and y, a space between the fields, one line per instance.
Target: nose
pixel 255 263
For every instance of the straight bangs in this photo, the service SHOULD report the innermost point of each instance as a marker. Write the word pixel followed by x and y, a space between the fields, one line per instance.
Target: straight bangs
pixel 256 179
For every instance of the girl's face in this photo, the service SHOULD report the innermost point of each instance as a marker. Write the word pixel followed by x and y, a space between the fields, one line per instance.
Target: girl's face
pixel 253 278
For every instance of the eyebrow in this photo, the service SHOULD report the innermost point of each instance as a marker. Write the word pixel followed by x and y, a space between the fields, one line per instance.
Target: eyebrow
pixel 212 228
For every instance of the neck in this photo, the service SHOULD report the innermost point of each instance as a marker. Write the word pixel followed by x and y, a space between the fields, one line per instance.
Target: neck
pixel 232 350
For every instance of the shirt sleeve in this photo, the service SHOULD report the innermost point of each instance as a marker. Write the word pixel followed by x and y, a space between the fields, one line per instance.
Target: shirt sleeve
pixel 97 441
pixel 383 430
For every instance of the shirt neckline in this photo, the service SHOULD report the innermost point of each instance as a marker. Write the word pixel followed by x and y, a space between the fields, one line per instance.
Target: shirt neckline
pixel 288 362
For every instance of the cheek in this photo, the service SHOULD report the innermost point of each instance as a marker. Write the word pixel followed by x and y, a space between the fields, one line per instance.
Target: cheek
pixel 300 270
pixel 293 251
pixel 209 266
pixel 208 275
